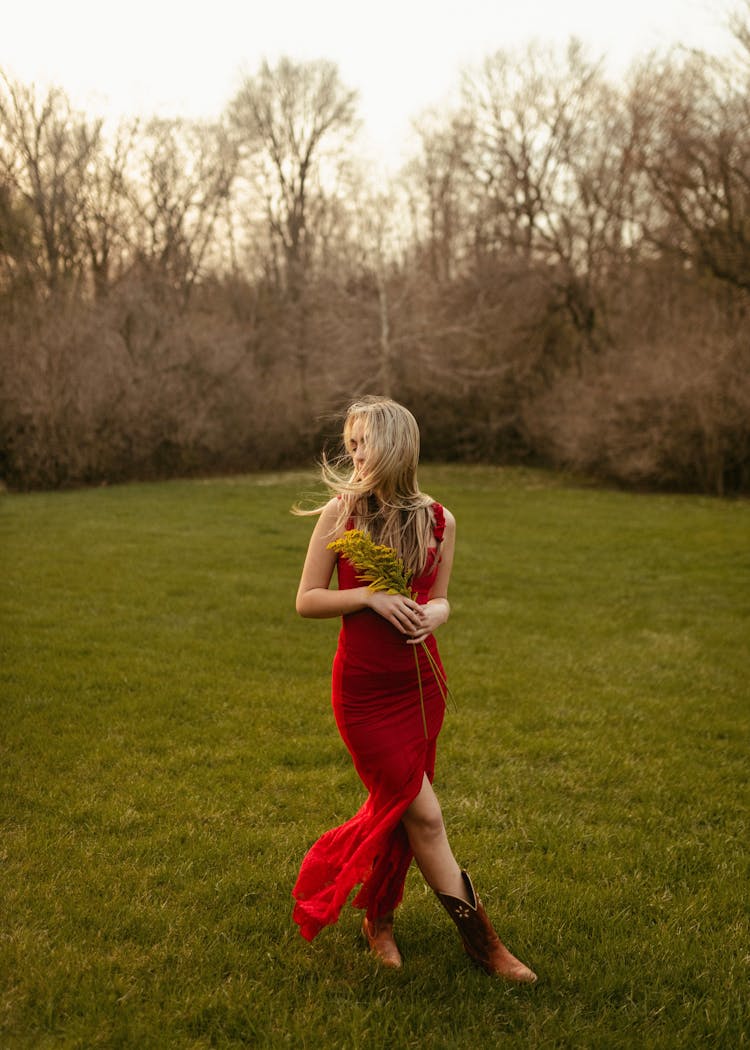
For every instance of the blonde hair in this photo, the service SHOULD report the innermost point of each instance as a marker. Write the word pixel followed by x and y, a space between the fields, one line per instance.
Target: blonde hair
pixel 385 501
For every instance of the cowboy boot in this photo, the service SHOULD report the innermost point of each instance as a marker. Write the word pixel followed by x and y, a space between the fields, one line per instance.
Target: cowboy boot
pixel 379 937
pixel 481 942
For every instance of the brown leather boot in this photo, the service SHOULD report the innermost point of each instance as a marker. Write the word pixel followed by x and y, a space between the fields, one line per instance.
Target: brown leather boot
pixel 379 936
pixel 481 942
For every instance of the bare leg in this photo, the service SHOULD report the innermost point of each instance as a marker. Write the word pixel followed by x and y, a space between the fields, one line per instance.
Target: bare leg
pixel 424 825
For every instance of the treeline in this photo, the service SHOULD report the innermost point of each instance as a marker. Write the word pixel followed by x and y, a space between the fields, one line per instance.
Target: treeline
pixel 560 275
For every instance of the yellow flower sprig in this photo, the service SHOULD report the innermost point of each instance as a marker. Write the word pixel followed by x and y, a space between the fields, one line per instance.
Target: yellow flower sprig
pixel 379 565
pixel 383 570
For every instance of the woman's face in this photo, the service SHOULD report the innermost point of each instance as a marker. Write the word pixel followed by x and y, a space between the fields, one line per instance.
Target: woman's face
pixel 357 446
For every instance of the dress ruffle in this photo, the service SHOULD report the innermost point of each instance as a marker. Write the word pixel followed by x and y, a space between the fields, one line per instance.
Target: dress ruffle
pixel 439 526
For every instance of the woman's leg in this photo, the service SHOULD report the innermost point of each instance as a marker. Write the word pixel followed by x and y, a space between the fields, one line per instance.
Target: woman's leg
pixel 424 825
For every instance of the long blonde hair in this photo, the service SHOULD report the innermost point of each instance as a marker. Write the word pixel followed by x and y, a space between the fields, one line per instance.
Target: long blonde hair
pixel 386 501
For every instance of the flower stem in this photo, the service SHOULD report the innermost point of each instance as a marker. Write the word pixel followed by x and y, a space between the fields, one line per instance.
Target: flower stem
pixel 443 686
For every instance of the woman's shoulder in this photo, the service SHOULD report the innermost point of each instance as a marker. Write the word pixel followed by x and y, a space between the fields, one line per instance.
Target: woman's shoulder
pixel 329 518
pixel 327 510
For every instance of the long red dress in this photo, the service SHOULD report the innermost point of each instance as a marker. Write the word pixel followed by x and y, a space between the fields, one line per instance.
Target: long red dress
pixel 376 703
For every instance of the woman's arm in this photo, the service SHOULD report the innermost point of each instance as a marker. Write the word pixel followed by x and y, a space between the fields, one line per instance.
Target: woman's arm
pixel 315 600
pixel 437 609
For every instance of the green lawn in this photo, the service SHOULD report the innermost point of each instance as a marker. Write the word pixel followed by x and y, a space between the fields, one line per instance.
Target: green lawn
pixel 168 753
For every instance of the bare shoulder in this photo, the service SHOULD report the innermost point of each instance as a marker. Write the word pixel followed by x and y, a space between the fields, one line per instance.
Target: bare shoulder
pixel 329 518
pixel 331 509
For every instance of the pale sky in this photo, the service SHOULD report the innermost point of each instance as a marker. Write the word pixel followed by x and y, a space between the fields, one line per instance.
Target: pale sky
pixel 183 57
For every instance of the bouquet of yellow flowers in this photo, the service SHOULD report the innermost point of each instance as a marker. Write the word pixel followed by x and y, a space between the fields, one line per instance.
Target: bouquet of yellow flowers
pixel 383 570
pixel 379 565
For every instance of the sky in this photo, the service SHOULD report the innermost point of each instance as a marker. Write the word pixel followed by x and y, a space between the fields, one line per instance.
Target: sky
pixel 187 58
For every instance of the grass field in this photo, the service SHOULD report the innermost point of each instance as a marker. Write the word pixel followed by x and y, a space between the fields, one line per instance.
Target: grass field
pixel 168 754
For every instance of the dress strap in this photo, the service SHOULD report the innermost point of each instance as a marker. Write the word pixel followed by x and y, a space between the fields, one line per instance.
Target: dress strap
pixel 438 527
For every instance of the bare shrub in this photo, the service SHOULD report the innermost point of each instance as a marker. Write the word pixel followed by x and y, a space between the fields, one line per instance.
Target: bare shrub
pixel 138 386
pixel 473 352
pixel 673 412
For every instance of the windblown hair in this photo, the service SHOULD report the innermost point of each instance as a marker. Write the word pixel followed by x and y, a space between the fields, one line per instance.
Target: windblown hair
pixel 385 501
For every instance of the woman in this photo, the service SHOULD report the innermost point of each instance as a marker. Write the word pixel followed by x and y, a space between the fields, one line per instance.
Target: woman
pixel 388 695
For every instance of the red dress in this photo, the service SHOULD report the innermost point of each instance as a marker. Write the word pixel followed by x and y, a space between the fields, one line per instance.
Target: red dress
pixel 376 703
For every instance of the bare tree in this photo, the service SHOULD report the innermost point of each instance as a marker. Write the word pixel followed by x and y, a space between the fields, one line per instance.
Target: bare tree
pixel 17 247
pixel 45 151
pixel 550 159
pixel 293 122
pixel 183 178
pixel 106 218
pixel 739 24
pixel 694 118
pixel 521 108
pixel 438 176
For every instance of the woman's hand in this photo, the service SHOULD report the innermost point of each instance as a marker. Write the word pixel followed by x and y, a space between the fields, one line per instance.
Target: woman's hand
pixel 432 615
pixel 401 612
pixel 416 621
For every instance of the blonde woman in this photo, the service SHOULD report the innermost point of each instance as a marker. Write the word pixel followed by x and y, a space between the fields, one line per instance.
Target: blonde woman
pixel 388 712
